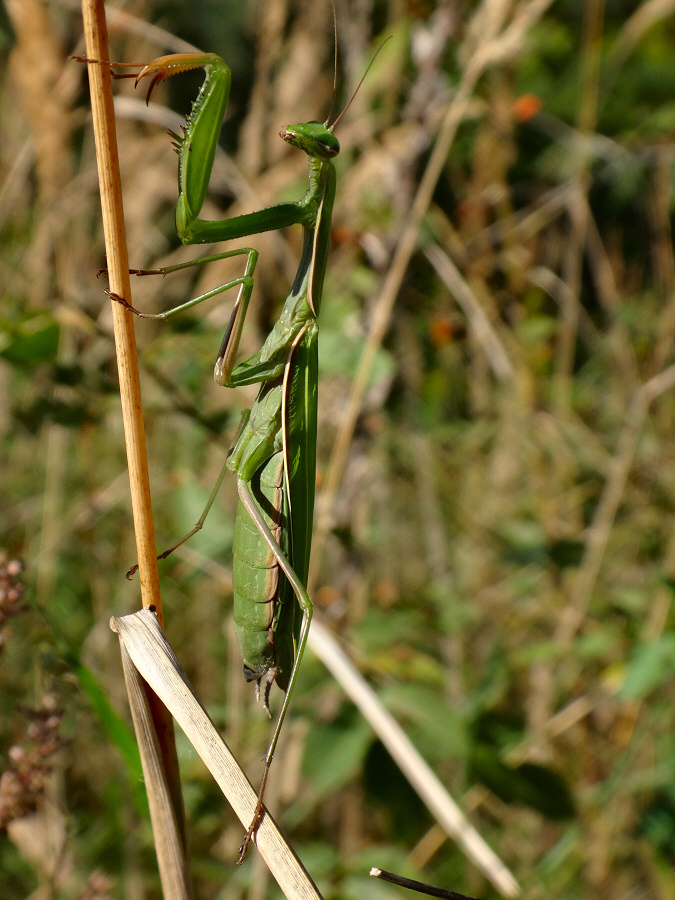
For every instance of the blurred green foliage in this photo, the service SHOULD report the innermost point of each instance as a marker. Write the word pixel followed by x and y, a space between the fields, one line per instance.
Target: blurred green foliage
pixel 500 563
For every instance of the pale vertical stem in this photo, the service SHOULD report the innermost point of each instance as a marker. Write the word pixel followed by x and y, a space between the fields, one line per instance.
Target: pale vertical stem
pixel 100 83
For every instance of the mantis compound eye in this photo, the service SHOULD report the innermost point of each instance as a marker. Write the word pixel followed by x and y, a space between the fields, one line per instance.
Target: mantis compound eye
pixel 315 138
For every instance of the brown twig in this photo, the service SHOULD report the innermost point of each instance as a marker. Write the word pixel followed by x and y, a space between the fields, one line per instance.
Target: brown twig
pixel 419 886
pixel 118 268
pixel 100 83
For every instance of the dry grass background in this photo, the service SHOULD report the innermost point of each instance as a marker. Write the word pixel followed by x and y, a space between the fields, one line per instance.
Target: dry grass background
pixel 495 532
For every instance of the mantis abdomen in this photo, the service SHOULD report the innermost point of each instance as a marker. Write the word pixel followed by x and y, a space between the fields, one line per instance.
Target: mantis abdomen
pixel 263 600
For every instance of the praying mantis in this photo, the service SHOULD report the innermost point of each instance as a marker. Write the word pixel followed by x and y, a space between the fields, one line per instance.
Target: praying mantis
pixel 274 452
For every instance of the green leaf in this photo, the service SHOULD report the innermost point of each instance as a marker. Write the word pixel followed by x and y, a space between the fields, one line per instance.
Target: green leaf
pixel 32 341
pixel 439 731
pixel 524 542
pixel 339 353
pixel 648 668
pixel 215 539
pixel 334 753
pixel 117 730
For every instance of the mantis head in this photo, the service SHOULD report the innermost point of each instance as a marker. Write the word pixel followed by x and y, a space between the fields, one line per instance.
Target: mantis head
pixel 315 138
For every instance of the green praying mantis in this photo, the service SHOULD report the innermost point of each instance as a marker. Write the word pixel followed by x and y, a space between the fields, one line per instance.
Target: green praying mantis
pixel 274 453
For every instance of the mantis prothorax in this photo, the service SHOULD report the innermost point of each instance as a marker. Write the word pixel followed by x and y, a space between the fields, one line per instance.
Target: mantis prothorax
pixel 274 454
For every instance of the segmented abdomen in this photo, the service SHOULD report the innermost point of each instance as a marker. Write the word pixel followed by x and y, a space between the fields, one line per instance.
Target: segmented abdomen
pixel 261 596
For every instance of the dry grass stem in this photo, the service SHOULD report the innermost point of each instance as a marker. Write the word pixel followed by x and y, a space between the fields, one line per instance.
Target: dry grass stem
pixel 165 779
pixel 118 273
pixel 426 783
pixel 483 330
pixel 154 659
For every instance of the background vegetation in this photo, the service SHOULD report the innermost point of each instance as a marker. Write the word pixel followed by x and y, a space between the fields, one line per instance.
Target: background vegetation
pixel 499 556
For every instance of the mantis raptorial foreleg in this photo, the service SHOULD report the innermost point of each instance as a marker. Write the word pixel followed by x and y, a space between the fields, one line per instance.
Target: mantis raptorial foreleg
pixel 230 344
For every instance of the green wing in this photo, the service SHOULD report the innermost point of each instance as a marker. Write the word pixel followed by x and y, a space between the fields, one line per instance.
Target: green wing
pixel 299 430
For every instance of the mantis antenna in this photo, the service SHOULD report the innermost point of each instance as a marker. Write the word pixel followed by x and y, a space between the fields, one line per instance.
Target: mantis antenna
pixel 335 61
pixel 358 86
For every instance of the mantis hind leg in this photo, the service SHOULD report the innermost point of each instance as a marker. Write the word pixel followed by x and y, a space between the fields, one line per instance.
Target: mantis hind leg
pixel 209 503
pixel 305 603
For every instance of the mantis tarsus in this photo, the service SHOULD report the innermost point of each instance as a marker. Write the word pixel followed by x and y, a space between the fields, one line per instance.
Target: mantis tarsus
pixel 274 454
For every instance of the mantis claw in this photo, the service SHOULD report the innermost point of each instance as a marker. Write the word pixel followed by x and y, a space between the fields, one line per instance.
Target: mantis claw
pixel 166 66
pixel 268 687
pixel 243 850
pixel 125 303
pixel 157 77
pixel 258 816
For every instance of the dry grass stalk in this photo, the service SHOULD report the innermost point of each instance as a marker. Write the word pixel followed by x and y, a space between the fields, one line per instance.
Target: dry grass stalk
pixel 164 779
